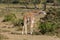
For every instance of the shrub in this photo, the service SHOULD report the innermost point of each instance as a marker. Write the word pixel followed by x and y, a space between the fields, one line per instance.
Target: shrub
pixel 9 17
pixel 18 22
pixel 52 22
pixel 47 27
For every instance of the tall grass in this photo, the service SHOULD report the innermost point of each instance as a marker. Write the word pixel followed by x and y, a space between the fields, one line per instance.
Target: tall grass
pixel 2 37
pixel 50 23
pixel 15 21
pixel 9 17
pixel 47 27
pixel 18 22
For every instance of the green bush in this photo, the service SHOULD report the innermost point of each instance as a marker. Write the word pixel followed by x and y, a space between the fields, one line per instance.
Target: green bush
pixel 12 18
pixel 52 22
pixel 18 22
pixel 47 27
pixel 9 17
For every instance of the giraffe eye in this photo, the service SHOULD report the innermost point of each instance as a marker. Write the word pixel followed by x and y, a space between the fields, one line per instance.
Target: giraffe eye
pixel 40 12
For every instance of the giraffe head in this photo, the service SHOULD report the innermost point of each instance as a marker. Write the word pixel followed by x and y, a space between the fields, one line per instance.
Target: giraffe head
pixel 42 14
pixel 39 13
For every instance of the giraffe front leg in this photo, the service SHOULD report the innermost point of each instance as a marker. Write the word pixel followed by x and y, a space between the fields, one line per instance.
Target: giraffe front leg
pixel 31 29
pixel 25 27
pixel 32 25
pixel 26 30
pixel 23 30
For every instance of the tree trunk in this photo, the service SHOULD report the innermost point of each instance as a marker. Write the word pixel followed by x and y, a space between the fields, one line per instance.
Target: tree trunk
pixel 45 5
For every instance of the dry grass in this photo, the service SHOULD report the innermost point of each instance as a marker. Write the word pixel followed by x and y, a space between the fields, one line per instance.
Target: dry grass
pixel 7 29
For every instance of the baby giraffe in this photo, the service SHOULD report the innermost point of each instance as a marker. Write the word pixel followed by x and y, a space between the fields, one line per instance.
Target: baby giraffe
pixel 29 18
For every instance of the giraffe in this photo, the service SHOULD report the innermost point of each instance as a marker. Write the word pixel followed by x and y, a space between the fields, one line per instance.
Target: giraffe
pixel 30 17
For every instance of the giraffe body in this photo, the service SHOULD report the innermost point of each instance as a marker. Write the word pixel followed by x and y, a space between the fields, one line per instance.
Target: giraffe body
pixel 29 18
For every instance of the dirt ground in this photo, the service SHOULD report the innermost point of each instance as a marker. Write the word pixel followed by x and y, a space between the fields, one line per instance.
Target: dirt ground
pixel 29 37
pixel 7 32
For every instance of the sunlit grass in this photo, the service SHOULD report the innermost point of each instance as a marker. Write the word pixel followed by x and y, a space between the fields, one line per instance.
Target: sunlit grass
pixel 2 37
